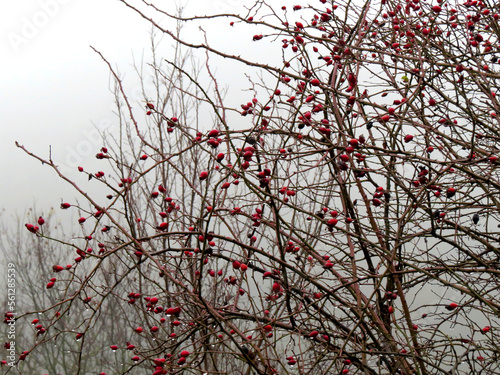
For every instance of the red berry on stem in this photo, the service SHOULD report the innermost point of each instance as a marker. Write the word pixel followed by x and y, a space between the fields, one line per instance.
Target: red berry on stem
pixel 276 287
pixel 450 192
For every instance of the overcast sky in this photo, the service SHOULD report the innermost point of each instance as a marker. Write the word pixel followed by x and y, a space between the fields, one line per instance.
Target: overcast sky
pixel 55 89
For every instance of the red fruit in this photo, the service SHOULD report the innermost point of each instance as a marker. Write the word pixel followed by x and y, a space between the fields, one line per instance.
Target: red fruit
pixel 276 287
pixel 236 264
pixel 50 284
pixel 82 220
pixel 214 133
pixel 432 102
pixel 135 358
pixel 385 118
pixel 220 157
pixel 328 264
pixel 169 311
pixel 154 329
pixel 485 330
pixel 41 221
pixel 451 306
pixel 241 292
pixel 32 228
pixel 436 9
pixel 163 226
pixel 310 98
pixel 57 268
pixel 144 157
pixel 390 309
pixel 203 175
pixel 181 361
pixel 185 353
pixel 139 329
pixel 408 138
pixel 354 142
pixel 313 334
pixel 332 222
pixel 65 205
pixel 244 267
pixel 114 347
pixel 450 192
pixel 314 82
pixel 159 361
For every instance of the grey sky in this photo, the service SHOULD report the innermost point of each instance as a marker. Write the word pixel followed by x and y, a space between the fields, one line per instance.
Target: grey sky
pixel 54 86
pixel 55 90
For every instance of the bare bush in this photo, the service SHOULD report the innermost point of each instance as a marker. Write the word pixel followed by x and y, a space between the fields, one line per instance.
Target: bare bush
pixel 343 220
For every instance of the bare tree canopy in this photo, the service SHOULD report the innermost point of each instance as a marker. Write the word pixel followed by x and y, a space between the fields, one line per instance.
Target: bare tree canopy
pixel 342 219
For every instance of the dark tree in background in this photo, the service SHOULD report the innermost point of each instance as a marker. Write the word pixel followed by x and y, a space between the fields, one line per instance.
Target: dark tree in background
pixel 342 219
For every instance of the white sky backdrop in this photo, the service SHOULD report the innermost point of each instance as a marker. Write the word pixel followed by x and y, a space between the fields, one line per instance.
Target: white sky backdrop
pixel 55 89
